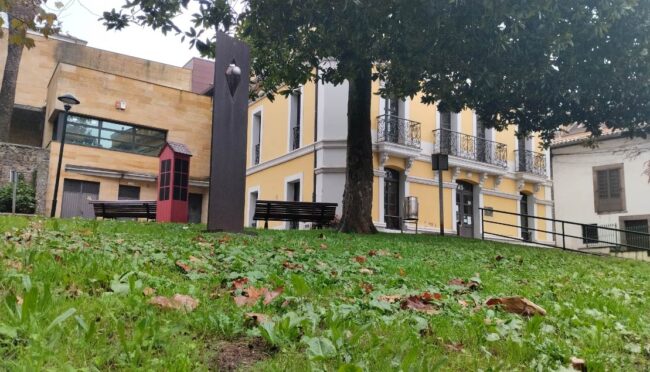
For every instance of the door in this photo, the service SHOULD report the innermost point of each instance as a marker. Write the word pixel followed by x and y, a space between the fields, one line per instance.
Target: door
pixel 294 195
pixel 75 198
pixel 465 209
pixel 481 144
pixel 523 210
pixel 391 199
pixel 195 208
pixel 447 141
pixel 393 113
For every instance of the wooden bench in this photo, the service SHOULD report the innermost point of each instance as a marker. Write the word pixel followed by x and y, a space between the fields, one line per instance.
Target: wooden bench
pixel 124 209
pixel 320 214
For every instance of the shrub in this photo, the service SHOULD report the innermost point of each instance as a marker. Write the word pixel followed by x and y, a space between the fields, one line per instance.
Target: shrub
pixel 25 198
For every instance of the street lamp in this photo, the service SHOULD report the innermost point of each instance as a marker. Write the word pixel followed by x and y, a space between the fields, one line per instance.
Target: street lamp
pixel 440 162
pixel 68 101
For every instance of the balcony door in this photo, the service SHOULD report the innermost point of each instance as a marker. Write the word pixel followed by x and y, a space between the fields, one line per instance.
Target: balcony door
pixel 481 145
pixel 391 199
pixel 465 209
pixel 393 110
pixel 524 210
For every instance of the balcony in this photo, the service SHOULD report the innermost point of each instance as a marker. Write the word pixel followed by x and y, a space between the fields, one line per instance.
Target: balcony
pixel 530 162
pixel 469 147
pixel 400 131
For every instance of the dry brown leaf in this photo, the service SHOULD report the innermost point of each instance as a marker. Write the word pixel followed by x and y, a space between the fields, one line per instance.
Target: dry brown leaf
pixel 402 272
pixel 19 300
pixel 417 303
pixel 258 318
pixel 243 301
pixel 193 259
pixel 186 302
pixel 578 364
pixel 367 271
pixel 16 265
pixel 463 303
pixel 499 258
pixel 269 296
pixel 292 266
pixel 239 283
pixel 390 298
pixel 148 291
pixel 455 347
pixel 471 285
pixel 367 287
pixel 224 239
pixel 517 305
pixel 372 253
pixel 323 246
pixel 360 259
pixel 184 267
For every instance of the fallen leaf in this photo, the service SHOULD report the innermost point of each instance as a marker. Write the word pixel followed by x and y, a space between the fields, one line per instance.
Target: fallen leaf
pixel 243 301
pixel 402 272
pixel 269 296
pixel 323 246
pixel 194 259
pixel 372 253
pixel 178 302
pixel 186 302
pixel 517 305
pixel 224 239
pixel 292 266
pixel 471 285
pixel 148 291
pixel 397 255
pixel 360 259
pixel 258 318
pixel 239 283
pixel 184 267
pixel 367 287
pixel 455 347
pixel 19 300
pixel 462 303
pixel 416 303
pixel 499 258
pixel 16 265
pixel 390 298
pixel 365 270
pixel 578 364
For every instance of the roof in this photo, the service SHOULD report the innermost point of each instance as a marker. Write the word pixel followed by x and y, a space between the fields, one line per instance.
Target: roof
pixel 575 134
pixel 179 148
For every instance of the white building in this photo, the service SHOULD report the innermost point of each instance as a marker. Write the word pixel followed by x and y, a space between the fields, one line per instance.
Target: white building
pixel 601 187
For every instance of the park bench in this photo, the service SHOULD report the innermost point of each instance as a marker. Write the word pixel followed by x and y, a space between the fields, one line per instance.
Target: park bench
pixel 124 209
pixel 320 214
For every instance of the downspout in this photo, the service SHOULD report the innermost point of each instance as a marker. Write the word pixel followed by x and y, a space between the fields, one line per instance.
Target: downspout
pixel 550 149
pixel 313 195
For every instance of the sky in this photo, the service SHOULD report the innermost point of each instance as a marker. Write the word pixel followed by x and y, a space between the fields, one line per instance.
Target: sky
pixel 80 19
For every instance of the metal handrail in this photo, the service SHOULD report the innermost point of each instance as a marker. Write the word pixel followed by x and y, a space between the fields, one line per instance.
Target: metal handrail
pixel 563 234
pixel 530 162
pixel 394 129
pixel 470 147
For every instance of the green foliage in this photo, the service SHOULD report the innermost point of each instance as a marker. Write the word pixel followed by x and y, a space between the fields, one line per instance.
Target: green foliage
pixel 25 198
pixel 28 16
pixel 71 298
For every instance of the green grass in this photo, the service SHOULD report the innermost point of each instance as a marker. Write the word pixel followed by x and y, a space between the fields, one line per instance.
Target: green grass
pixel 83 307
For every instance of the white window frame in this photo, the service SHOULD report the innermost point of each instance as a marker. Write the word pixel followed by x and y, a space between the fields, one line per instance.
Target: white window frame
pixel 302 119
pixel 258 111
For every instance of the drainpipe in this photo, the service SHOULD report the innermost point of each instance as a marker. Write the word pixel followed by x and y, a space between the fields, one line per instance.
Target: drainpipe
pixel 313 195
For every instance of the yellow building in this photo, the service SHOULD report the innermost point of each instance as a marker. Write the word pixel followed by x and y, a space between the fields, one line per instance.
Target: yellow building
pixel 297 148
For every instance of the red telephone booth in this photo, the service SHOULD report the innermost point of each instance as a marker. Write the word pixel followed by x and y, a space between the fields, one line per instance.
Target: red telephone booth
pixel 173 183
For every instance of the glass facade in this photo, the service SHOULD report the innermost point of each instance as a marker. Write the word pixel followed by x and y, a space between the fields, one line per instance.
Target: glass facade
pixel 114 136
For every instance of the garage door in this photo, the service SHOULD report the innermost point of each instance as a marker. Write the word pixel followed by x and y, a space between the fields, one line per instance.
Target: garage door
pixel 75 198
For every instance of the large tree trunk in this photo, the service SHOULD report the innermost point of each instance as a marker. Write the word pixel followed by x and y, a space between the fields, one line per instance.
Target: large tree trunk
pixel 24 11
pixel 357 197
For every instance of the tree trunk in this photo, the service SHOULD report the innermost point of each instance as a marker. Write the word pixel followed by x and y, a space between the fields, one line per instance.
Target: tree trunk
pixel 357 197
pixel 24 11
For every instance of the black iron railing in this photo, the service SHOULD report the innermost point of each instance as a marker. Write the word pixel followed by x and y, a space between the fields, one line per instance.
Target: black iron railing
pixel 470 147
pixel 295 138
pixel 530 162
pixel 398 130
pixel 574 236
pixel 256 155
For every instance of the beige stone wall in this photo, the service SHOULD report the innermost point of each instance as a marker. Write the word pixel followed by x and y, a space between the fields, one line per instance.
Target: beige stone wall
pixel 38 65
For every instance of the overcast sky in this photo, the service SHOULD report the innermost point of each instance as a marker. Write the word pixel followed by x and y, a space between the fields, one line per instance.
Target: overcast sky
pixel 80 19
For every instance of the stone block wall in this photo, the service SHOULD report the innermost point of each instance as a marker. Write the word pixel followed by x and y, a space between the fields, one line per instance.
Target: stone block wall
pixel 30 162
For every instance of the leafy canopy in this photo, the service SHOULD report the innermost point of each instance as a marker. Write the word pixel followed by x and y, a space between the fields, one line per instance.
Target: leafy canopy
pixel 22 20
pixel 538 64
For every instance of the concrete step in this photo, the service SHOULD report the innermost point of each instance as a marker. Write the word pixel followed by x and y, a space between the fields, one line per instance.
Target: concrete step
pixel 633 255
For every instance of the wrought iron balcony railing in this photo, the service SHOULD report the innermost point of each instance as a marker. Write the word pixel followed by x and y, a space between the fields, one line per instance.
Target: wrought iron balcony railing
pixel 295 138
pixel 398 130
pixel 530 162
pixel 256 155
pixel 470 147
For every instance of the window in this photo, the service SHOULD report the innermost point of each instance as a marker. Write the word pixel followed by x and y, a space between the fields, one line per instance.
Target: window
pixel 295 121
pixel 609 193
pixel 445 120
pixel 636 234
pixel 165 171
pixel 590 233
pixel 181 179
pixel 128 193
pixel 114 136
pixel 257 138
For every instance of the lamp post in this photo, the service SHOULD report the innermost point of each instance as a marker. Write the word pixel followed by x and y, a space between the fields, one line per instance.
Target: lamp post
pixel 68 101
pixel 440 162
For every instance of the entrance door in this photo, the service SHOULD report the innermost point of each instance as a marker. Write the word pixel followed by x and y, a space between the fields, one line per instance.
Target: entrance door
pixel 523 210
pixel 75 198
pixel 294 195
pixel 391 199
pixel 465 209
pixel 195 208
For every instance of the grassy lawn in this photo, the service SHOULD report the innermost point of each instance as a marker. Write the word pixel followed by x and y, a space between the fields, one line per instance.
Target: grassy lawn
pixel 73 297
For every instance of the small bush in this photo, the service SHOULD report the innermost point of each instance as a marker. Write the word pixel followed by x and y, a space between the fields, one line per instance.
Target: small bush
pixel 25 198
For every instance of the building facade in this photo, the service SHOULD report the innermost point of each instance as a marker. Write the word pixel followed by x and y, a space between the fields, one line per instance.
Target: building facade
pixel 601 188
pixel 297 151
pixel 129 108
